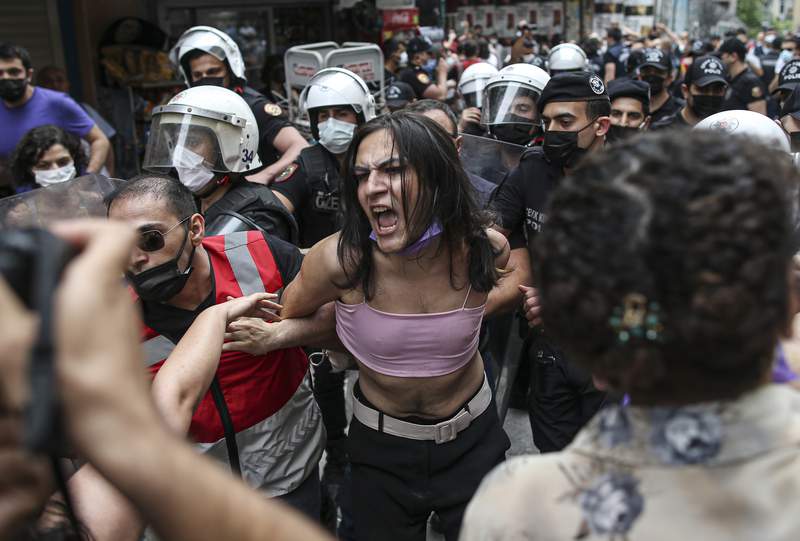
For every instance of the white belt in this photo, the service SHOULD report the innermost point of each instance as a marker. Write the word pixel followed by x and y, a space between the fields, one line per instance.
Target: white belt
pixel 440 432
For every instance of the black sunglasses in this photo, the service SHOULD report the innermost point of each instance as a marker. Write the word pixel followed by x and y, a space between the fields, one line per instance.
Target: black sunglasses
pixel 153 240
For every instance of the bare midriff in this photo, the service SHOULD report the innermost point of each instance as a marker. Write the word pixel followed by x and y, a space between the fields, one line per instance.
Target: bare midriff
pixel 434 397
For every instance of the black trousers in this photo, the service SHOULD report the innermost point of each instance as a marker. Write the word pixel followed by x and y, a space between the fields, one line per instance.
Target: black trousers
pixel 398 482
pixel 329 392
pixel 562 397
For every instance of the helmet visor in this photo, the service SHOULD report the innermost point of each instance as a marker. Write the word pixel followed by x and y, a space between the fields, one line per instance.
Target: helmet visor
pixel 472 92
pixel 174 137
pixel 510 104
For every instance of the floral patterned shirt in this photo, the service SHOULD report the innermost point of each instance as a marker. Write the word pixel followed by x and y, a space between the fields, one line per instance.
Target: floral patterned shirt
pixel 712 471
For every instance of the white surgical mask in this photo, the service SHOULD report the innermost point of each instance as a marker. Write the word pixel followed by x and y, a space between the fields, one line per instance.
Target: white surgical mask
pixel 403 60
pixel 191 171
pixel 336 135
pixel 48 177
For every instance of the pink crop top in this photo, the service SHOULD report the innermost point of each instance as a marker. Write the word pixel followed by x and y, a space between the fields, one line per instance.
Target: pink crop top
pixel 410 345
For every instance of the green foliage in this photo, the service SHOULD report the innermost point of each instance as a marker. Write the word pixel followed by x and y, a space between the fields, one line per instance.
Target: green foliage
pixel 751 12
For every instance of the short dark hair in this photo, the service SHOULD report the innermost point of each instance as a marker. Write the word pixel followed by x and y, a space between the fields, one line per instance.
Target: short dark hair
pixel 597 108
pixel 445 195
pixel 390 46
pixel 9 51
pixel 470 48
pixel 33 144
pixel 178 198
pixel 423 106
pixel 615 34
pixel 663 216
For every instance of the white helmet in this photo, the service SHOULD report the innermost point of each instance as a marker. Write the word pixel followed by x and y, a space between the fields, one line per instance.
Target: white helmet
pixel 211 41
pixel 473 81
pixel 333 87
pixel 755 126
pixel 205 126
pixel 504 90
pixel 566 57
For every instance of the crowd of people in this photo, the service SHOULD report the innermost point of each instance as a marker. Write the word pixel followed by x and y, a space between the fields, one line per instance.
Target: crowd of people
pixel 495 188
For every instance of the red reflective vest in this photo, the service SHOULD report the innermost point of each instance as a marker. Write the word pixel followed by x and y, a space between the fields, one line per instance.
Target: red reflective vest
pixel 270 402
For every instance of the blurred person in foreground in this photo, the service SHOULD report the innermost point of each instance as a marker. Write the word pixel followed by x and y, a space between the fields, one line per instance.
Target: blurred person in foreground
pixel 688 331
pixel 109 415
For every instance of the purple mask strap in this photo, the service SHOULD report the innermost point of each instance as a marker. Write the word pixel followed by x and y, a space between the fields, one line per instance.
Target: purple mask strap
pixel 431 233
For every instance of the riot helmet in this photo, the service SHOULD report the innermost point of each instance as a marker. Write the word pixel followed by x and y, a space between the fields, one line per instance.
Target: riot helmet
pixel 208 40
pixel 511 103
pixel 203 132
pixel 756 127
pixel 336 87
pixel 566 57
pixel 473 82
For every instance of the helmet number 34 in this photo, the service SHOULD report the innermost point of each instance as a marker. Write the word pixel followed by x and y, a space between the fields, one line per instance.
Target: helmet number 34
pixel 248 155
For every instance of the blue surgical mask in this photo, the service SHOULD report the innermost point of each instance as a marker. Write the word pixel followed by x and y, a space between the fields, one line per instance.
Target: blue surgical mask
pixel 336 135
pixel 430 65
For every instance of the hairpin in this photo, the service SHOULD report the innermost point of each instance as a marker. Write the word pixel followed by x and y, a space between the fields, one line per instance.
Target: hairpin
pixel 637 318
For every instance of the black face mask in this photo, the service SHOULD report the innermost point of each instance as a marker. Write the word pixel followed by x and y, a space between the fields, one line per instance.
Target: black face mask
pixel 705 106
pixel 561 147
pixel 794 138
pixel 519 132
pixel 164 281
pixel 209 81
pixel 12 90
pixel 656 83
pixel 620 133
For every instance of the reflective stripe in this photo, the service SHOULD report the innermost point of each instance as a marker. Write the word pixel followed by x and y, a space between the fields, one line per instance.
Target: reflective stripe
pixel 244 268
pixel 280 452
pixel 157 349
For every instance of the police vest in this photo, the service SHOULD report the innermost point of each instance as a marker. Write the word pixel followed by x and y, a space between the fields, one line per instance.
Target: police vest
pixel 228 215
pixel 277 422
pixel 322 172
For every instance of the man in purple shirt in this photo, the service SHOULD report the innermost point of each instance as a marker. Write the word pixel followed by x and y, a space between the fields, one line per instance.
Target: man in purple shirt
pixel 24 106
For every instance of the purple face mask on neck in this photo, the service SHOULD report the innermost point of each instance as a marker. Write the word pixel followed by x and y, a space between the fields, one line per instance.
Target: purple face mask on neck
pixel 431 233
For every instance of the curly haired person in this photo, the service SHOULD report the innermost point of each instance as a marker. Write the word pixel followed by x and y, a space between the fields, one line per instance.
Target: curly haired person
pixel 665 271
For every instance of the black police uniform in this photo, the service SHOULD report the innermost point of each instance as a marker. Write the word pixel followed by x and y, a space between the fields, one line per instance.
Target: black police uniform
pixel 744 89
pixel 312 185
pixel 563 398
pixel 418 78
pixel 270 120
pixel 673 121
pixel 248 206
pixel 671 107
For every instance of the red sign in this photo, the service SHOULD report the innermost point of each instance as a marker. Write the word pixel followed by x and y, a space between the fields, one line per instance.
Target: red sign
pixel 394 19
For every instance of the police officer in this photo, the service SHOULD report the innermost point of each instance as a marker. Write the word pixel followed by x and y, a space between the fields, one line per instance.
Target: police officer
pixel 630 108
pixel 471 86
pixel 208 137
pixel 788 79
pixel 207 56
pixel 746 90
pixel 790 118
pixel 419 58
pixel 510 111
pixel 398 95
pixel 575 110
pixel 656 71
pixel 566 57
pixel 337 100
pixel 703 89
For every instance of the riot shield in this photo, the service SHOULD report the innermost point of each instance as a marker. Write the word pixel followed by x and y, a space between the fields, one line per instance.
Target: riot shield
pixel 81 197
pixel 489 158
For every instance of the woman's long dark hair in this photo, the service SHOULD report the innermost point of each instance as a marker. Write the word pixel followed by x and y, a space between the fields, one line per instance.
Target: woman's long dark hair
pixel 445 195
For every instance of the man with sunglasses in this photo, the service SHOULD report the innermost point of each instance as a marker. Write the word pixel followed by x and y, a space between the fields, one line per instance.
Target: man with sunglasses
pixel 260 414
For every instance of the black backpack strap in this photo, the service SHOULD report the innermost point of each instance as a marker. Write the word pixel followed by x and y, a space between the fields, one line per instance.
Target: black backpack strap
pixel 227 425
